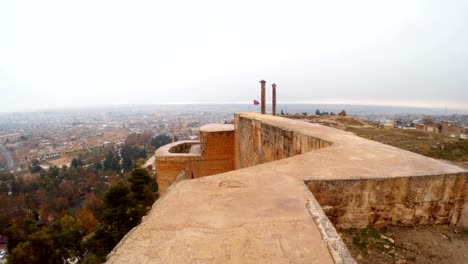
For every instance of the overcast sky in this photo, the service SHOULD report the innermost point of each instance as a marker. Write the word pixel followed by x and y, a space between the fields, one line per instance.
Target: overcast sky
pixel 86 53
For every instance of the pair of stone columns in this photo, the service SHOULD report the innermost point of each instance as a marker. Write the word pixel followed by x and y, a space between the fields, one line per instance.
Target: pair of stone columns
pixel 263 99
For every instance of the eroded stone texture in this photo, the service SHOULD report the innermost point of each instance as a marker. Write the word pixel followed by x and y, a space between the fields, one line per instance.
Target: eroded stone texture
pixel 406 201
pixel 217 149
pixel 258 142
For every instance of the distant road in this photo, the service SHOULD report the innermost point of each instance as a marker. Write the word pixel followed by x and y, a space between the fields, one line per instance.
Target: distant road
pixel 9 159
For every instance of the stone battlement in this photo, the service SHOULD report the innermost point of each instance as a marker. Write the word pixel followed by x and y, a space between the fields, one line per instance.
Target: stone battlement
pixel 293 181
pixel 191 159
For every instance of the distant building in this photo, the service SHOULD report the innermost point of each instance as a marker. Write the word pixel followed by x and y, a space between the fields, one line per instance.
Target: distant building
pixel 429 127
pixel 451 130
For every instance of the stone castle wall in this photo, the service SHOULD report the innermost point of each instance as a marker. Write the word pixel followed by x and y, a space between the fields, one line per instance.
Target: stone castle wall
pixel 358 203
pixel 405 201
pixel 274 208
pixel 257 142
pixel 217 150
pixel 169 167
pixel 216 156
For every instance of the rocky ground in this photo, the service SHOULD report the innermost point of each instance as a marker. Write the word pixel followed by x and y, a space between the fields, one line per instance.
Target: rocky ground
pixel 421 244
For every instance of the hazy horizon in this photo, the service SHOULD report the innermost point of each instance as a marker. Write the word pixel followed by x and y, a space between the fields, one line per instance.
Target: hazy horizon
pixel 57 54
pixel 290 108
pixel 420 108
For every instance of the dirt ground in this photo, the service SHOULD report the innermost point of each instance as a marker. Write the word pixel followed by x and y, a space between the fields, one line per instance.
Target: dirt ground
pixel 421 244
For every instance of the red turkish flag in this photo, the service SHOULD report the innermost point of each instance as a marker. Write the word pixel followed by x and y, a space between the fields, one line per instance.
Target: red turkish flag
pixel 256 102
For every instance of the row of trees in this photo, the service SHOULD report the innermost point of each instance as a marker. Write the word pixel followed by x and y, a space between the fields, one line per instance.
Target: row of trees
pixel 112 162
pixel 319 113
pixel 324 113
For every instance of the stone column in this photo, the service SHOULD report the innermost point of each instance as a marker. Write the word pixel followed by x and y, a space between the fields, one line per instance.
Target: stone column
pixel 273 110
pixel 263 101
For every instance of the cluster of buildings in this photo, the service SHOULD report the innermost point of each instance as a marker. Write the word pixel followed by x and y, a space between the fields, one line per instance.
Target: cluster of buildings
pixel 56 137
pixel 445 128
pixel 455 126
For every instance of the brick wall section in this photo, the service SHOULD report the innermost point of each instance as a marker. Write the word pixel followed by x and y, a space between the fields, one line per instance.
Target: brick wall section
pixel 168 168
pixel 217 156
pixel 406 201
pixel 217 152
pixel 257 142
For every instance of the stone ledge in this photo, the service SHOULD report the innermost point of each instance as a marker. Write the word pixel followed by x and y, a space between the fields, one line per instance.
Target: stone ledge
pixel 336 246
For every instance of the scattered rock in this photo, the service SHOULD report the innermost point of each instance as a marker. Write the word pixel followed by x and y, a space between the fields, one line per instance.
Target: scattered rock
pixel 386 246
pixel 359 257
pixel 400 261
pixel 446 237
pixel 387 238
pixel 392 251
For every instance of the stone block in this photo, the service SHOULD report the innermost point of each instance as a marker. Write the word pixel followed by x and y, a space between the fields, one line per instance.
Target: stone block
pixel 423 213
pixel 402 215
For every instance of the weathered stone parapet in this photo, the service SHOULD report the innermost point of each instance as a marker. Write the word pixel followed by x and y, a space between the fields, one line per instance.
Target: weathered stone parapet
pixel 213 154
pixel 258 142
pixel 174 158
pixel 217 149
pixel 336 246
pixel 404 201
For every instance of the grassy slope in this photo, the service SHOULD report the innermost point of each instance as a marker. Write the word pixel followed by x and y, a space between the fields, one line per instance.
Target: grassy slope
pixel 417 141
